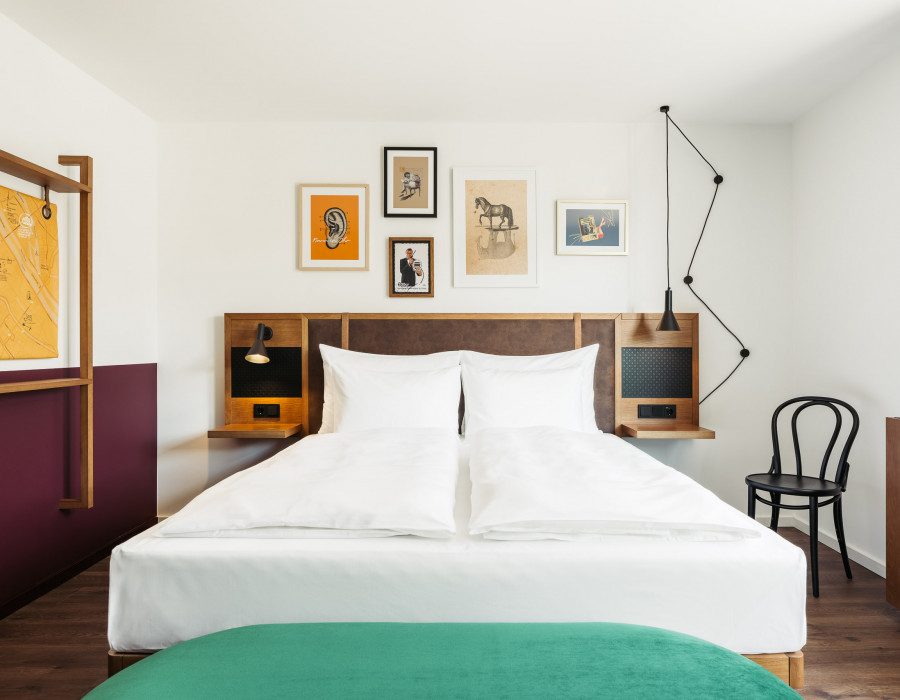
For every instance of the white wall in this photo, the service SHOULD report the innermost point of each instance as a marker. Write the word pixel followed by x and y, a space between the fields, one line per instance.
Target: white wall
pixel 812 302
pixel 52 108
pixel 228 243
pixel 846 245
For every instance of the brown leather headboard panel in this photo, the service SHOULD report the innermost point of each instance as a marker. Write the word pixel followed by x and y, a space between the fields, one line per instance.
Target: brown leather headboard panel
pixel 603 332
pixel 412 336
pixel 327 332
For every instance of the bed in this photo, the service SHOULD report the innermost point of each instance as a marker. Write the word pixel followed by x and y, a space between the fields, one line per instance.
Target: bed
pixel 737 584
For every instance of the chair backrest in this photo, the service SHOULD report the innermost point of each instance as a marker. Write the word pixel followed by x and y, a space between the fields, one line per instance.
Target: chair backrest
pixel 843 466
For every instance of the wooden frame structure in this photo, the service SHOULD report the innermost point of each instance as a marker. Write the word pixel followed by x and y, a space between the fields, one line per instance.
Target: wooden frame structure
pixel 22 169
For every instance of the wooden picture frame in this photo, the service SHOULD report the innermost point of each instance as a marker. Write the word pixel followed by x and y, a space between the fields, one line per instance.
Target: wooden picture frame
pixel 334 227
pixel 410 181
pixel 411 279
pixel 591 227
pixel 495 227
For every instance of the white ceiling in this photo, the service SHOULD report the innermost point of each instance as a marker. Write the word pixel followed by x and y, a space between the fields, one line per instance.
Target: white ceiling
pixel 467 60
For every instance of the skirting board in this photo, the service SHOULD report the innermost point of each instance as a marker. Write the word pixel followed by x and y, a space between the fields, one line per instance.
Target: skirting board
pixel 873 565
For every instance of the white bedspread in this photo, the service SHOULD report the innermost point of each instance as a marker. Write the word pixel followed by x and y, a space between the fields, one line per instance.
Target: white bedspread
pixel 374 483
pixel 747 595
pixel 553 483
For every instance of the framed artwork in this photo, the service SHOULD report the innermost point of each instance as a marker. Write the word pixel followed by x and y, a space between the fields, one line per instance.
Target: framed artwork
pixel 494 227
pixel 334 227
pixel 411 263
pixel 410 181
pixel 591 227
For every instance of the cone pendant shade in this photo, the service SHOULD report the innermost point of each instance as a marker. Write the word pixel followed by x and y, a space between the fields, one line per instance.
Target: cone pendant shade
pixel 668 321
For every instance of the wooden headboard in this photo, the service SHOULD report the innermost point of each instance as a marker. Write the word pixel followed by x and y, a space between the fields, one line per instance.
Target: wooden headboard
pixel 619 336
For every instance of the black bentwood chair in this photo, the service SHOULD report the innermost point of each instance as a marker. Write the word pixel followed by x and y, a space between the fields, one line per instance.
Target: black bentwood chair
pixel 813 488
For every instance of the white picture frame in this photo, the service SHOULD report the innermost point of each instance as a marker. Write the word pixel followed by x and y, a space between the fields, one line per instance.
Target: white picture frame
pixel 591 227
pixel 495 227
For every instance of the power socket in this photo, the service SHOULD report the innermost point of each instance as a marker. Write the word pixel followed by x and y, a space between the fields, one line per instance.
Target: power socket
pixel 656 410
pixel 266 410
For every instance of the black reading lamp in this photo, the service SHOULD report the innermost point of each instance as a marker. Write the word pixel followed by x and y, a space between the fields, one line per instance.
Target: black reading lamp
pixel 257 352
pixel 668 321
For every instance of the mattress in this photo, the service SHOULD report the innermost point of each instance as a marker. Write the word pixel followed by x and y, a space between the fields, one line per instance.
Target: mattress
pixel 747 595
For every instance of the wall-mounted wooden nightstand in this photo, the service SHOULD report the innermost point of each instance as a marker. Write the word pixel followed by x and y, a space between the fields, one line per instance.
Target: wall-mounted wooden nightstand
pixel 256 430
pixel 253 390
pixel 673 432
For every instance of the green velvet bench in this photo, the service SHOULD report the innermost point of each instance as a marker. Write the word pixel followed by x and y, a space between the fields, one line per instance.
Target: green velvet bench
pixel 442 660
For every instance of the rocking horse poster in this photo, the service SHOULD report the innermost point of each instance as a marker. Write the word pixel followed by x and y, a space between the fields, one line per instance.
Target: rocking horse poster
pixel 494 227
pixel 410 181
pixel 334 227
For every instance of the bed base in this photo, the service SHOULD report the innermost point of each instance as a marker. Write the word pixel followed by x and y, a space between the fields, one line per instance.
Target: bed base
pixel 787 666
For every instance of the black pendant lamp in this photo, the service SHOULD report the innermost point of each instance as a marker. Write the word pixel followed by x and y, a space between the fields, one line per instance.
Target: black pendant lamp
pixel 668 322
pixel 257 352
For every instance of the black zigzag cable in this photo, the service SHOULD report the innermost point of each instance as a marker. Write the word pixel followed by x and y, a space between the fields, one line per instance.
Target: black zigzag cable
pixel 688 280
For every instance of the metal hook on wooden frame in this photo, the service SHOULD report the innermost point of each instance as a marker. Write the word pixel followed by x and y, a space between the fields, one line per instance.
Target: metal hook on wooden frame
pixel 46 211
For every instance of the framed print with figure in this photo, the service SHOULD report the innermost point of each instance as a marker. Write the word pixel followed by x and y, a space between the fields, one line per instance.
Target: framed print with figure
pixel 411 263
pixel 410 181
pixel 334 227
pixel 591 227
pixel 494 227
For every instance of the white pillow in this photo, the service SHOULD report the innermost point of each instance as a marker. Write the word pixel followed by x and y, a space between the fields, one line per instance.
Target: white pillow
pixel 500 399
pixel 366 399
pixel 522 391
pixel 338 357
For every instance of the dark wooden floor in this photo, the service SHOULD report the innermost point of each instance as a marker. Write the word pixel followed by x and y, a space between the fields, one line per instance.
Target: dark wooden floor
pixel 56 646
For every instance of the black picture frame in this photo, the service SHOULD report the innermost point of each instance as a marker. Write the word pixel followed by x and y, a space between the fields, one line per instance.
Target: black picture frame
pixel 410 182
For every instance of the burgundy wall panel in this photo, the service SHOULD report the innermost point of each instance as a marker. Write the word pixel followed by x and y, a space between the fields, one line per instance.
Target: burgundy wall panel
pixel 39 463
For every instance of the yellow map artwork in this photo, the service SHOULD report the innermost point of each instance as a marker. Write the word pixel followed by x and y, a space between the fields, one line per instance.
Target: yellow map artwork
pixel 29 278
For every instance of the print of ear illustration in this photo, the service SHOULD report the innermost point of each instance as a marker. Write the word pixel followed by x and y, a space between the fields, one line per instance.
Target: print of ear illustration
pixel 336 220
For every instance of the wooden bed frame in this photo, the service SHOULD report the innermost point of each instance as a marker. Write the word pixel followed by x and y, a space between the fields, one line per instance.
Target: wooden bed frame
pixel 507 334
pixel 788 667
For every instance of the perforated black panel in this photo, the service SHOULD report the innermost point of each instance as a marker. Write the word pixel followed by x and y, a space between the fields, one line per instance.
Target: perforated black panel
pixel 657 373
pixel 281 376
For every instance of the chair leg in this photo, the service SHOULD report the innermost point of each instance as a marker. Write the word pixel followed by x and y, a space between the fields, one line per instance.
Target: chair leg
pixel 751 501
pixel 814 543
pixel 776 498
pixel 839 529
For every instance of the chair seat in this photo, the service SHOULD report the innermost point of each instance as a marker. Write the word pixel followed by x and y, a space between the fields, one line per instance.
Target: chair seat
pixel 793 484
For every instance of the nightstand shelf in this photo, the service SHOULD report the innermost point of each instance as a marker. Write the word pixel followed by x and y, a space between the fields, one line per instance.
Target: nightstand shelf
pixel 256 430
pixel 681 431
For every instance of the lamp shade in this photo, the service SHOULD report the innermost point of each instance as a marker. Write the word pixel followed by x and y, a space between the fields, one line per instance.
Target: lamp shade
pixel 257 352
pixel 668 322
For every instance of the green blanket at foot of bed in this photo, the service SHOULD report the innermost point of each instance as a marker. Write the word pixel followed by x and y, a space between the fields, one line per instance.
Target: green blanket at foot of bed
pixel 479 660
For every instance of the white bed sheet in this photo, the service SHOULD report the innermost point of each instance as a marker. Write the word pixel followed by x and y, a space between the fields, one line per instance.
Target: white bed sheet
pixel 747 595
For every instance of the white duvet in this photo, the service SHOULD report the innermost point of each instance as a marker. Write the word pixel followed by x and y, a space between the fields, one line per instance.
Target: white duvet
pixel 373 483
pixel 553 483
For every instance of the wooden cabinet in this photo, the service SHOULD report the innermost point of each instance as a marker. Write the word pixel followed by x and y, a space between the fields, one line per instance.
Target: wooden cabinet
pixel 892 483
